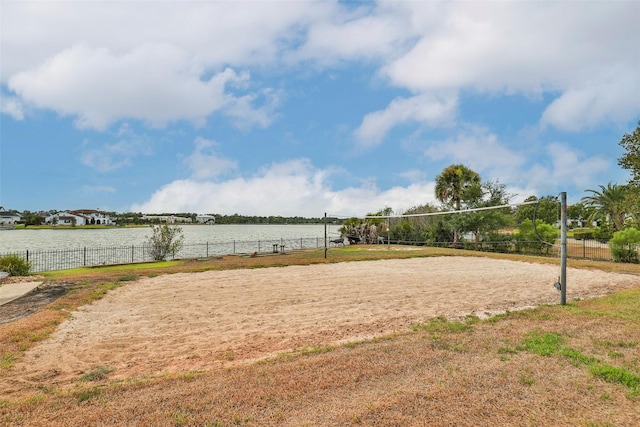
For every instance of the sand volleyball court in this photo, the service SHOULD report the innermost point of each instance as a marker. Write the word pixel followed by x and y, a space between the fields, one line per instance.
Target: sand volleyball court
pixel 198 321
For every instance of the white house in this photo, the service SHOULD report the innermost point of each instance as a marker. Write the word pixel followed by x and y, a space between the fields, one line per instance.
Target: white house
pixel 9 218
pixel 206 219
pixel 94 217
pixel 80 217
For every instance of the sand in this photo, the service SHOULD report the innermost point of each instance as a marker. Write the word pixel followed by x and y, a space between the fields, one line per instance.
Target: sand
pixel 200 321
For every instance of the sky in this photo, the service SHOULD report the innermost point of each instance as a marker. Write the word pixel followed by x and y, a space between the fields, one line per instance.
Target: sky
pixel 300 108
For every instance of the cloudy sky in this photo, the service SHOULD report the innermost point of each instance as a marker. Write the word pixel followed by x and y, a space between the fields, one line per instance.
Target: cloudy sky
pixel 300 108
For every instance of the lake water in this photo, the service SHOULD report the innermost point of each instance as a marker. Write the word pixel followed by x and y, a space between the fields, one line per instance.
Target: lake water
pixel 23 240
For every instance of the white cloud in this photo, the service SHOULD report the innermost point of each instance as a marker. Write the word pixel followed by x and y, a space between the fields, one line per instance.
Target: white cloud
pixel 205 163
pixel 532 47
pixel 566 167
pixel 613 99
pixel 216 33
pixel 12 107
pixel 426 110
pixel 153 83
pixel 481 150
pixel 554 166
pixel 110 157
pixel 289 188
pixel 163 62
pixel 370 32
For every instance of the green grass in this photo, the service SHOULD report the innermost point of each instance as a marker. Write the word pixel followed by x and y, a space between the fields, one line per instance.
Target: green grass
pixel 87 394
pixel 616 375
pixel 129 269
pixel 441 325
pixel 542 343
pixel 549 343
pixel 98 374
pixel 7 360
pixel 576 357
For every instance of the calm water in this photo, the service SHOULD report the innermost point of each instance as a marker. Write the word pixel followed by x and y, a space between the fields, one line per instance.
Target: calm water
pixel 21 240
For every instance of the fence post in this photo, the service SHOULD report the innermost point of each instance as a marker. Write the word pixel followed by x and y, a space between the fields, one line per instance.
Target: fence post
pixel 207 249
pixel 584 248
pixel 132 254
pixel 234 246
pixel 84 257
pixel 301 243
pixel 27 254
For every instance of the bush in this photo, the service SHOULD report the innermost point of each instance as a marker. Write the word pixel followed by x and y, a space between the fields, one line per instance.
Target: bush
pixel 538 240
pixel 165 240
pixel 583 234
pixel 603 233
pixel 624 245
pixel 15 265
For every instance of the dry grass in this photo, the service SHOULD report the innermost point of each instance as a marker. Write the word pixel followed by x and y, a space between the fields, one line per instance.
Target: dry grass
pixel 441 373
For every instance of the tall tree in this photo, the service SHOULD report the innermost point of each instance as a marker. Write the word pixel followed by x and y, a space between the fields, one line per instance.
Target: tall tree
pixel 631 159
pixel 457 183
pixel 547 209
pixel 609 203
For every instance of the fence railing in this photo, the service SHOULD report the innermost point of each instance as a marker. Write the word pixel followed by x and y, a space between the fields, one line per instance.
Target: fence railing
pixel 64 259
pixel 585 249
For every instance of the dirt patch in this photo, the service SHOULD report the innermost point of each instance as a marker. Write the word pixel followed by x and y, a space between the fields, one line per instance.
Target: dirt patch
pixel 198 321
pixel 33 301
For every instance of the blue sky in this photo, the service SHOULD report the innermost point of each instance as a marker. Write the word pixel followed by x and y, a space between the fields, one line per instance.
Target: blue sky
pixel 300 108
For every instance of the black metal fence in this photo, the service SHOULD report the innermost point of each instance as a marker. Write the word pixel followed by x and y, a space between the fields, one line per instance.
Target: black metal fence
pixel 64 259
pixel 584 249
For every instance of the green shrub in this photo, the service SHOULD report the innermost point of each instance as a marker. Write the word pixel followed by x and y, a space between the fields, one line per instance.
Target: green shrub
pixel 603 233
pixel 15 265
pixel 583 234
pixel 538 240
pixel 625 245
pixel 165 241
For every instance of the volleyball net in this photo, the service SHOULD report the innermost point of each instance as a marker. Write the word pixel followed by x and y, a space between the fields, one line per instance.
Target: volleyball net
pixel 507 228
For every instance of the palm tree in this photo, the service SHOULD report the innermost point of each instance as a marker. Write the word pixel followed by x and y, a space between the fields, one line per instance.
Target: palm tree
pixel 454 183
pixel 610 202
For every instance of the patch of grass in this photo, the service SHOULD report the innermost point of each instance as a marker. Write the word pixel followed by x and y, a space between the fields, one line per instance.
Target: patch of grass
pixel 621 305
pixel 619 344
pixel 7 360
pixel 576 357
pixel 87 394
pixel 542 343
pixel 616 375
pixel 127 278
pixel 227 355
pixel 182 418
pixel 440 324
pixel 98 374
pixel 526 379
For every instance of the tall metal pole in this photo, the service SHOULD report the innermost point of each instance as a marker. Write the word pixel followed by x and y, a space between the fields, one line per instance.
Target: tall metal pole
pixel 563 248
pixel 325 235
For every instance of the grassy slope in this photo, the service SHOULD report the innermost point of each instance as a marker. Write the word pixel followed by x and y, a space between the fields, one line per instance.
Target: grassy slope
pixel 572 365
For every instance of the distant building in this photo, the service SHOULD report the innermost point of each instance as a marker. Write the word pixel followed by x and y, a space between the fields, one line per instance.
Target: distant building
pixel 80 217
pixel 9 218
pixel 206 219
pixel 169 219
